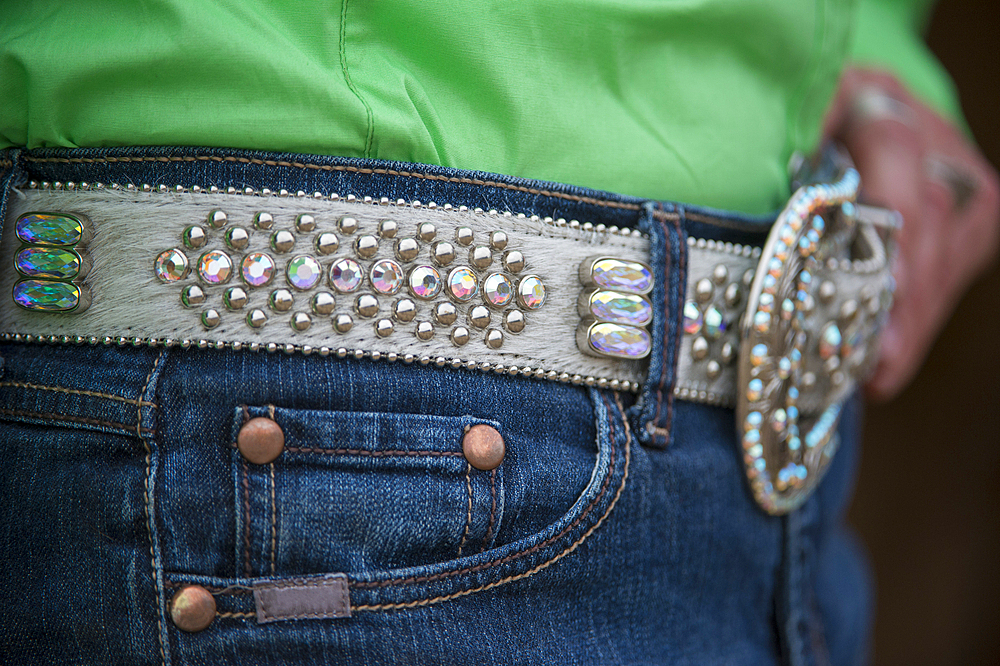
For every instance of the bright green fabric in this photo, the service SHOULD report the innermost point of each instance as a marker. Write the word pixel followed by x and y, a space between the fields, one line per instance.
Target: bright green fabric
pixel 694 100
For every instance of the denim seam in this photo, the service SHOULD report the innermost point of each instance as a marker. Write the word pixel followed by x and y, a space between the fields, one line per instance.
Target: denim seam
pixel 372 454
pixel 274 520
pixel 150 527
pixel 556 558
pixel 493 510
pixel 246 517
pixel 93 394
pixel 75 419
pixel 468 513
pixel 229 589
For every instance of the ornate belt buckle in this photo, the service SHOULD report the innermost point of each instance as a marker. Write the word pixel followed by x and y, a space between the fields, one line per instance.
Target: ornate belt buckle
pixel 819 297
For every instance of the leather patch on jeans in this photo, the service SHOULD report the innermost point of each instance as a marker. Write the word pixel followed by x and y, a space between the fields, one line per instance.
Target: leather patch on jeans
pixel 302 599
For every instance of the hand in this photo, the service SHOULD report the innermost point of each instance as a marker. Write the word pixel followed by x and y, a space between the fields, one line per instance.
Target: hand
pixel 918 163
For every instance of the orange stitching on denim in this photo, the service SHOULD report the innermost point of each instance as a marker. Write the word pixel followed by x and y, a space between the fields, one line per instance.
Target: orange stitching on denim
pixel 237 616
pixel 373 454
pixel 74 419
pixel 274 520
pixel 148 501
pixel 493 509
pixel 246 518
pixel 543 565
pixel 94 394
pixel 468 514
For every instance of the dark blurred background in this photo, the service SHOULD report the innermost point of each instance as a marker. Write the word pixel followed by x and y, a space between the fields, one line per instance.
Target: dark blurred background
pixel 928 498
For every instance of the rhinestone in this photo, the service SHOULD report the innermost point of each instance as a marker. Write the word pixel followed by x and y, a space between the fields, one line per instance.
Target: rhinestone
pixel 387 228
pixel 305 223
pixel 425 330
pixel 386 277
pixel 234 298
pixel 720 274
pixel 462 284
pixel 366 305
pixel 758 354
pixel 347 225
pixel 210 318
pixel 215 267
pixel 481 256
pixel 699 348
pixel 48 262
pixel 460 336
pixel 494 338
pixel 829 341
pixel 171 266
pixel 194 237
pixel 426 232
pixel 303 272
pixel 345 275
pixel 50 229
pixel 464 236
pixel 443 253
pixel 323 303
pixel 445 313
pixel 342 323
pixel 728 353
pixel 263 220
pixel 618 341
pixel 628 276
pixel 300 321
pixel 217 219
pixel 692 318
pixel 282 241
pixel 498 290
pixel 715 325
pixel 384 328
pixel 256 318
pixel 827 290
pixel 192 295
pixel 425 282
pixel 498 240
pixel 703 290
pixel 762 322
pixel 479 316
pixel 754 388
pixel 366 246
pixel 404 310
pixel 47 296
pixel 237 238
pixel 531 292
pixel 513 261
pixel 406 249
pixel 713 369
pixel 620 308
pixel 281 300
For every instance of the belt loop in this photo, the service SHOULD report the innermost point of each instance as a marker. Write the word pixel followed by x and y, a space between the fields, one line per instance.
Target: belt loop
pixel 10 175
pixel 653 413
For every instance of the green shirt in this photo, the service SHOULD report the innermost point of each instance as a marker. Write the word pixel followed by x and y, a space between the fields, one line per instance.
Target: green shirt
pixel 700 101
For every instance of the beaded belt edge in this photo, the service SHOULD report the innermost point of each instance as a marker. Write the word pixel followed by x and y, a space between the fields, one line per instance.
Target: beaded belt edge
pixel 783 333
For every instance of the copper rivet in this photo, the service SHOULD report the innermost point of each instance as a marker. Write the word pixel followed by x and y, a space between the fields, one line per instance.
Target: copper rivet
pixel 261 440
pixel 483 447
pixel 192 608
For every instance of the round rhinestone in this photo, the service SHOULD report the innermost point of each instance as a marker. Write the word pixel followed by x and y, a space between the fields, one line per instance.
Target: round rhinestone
pixel 171 266
pixel 215 267
pixel 234 298
pixel 445 313
pixel 443 253
pixel 366 246
pixel 426 232
pixel 498 290
pixel 300 321
pixel 342 323
pixel 366 305
pixel 281 300
pixel 303 272
pixel 192 295
pixel 479 316
pixel 384 328
pixel 282 241
pixel 345 275
pixel 257 269
pixel 498 240
pixel 460 336
pixel 406 249
pixel 305 223
pixel 494 338
pixel 754 389
pixel 715 325
pixel 386 276
pixel 256 318
pixel 404 310
pixel 829 342
pixel 531 292
pixel 323 303
pixel 481 256
pixel 692 318
pixel 513 321
pixel 425 282
pixel 194 237
pixel 263 220
pixel 217 219
pixel 387 228
pixel 513 261
pixel 237 238
pixel 703 290
pixel 425 330
pixel 210 318
pixel 327 243
pixel 464 236
pixel 347 225
pixel 462 284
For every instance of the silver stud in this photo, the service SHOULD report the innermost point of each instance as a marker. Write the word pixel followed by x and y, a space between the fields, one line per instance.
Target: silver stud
pixel 733 294
pixel 384 328
pixel 494 338
pixel 281 300
pixel 194 237
pixel 832 364
pixel 217 219
pixel 513 261
pixel 425 330
pixel 748 277
pixel 235 298
pixel 460 336
pixel 827 290
pixel 366 305
pixel 406 249
pixel 387 228
pixel 192 295
pixel 305 223
pixel 443 253
pixel 237 238
pixel 720 274
pixel 327 243
pixel 426 232
pixel 713 369
pixel 480 256
pixel 263 221
pixel 728 353
pixel 848 311
pixel 479 316
pixel 300 321
pixel 464 236
pixel 498 240
pixel 445 313
pixel 366 246
pixel 699 348
pixel 323 303
pixel 513 321
pixel 342 323
pixel 347 225
pixel 404 310
pixel 256 318
pixel 282 241
pixel 703 290
pixel 210 318
pixel 808 380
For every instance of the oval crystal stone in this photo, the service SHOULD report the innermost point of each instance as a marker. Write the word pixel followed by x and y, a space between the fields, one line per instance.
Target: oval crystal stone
pixel 215 267
pixel 630 276
pixel 257 269
pixel 425 282
pixel 345 275
pixel 619 341
pixel 49 229
pixel 498 290
pixel 45 296
pixel 43 262
pixel 462 284
pixel 531 292
pixel 303 272
pixel 621 308
pixel 171 265
pixel 386 276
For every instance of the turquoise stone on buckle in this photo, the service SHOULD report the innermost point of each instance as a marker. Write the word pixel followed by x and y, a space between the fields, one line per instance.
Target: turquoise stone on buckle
pixel 54 262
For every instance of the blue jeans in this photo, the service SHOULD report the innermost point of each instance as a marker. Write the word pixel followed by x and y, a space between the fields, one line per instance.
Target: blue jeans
pixel 617 530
